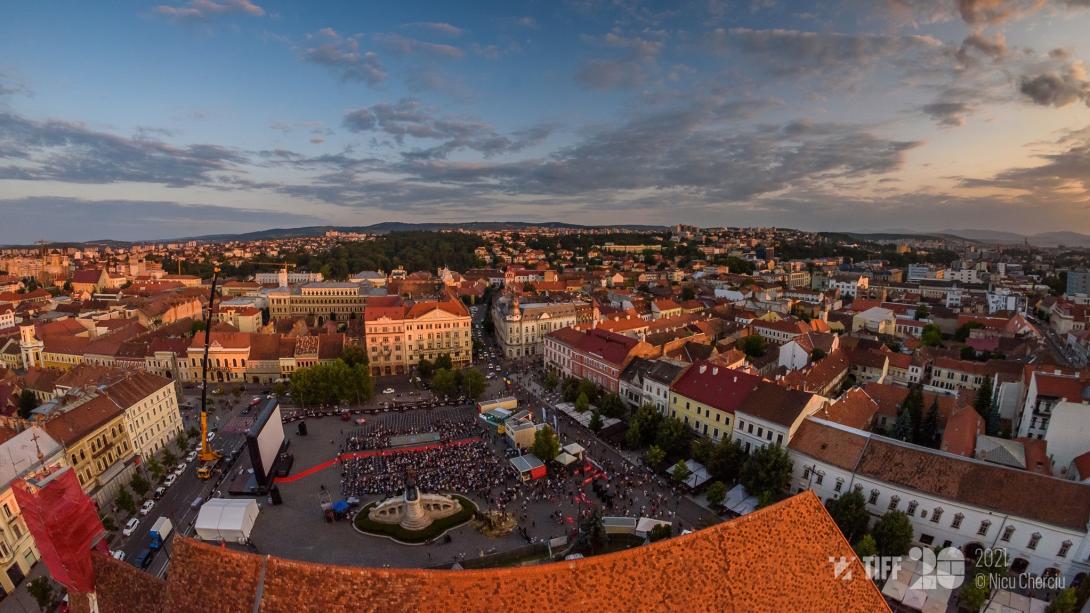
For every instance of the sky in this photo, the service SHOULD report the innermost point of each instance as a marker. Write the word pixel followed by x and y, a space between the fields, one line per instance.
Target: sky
pixel 141 121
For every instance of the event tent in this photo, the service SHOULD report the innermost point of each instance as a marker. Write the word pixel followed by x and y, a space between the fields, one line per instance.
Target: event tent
pixel 227 519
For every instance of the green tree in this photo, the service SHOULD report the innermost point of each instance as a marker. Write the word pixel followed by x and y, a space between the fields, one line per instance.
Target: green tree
pixel 593 530
pixel 643 427
pixel 27 403
pixel 611 405
pixel 195 327
pixel 965 330
pixel 701 450
pixel 726 460
pixel 1064 602
pixel 41 588
pixel 850 514
pixel 672 436
pixel 903 427
pixel 767 471
pixel 655 456
pixel 932 335
pixel 866 547
pixel 443 382
pixel 124 500
pixel 139 485
pixel 716 493
pixel 546 444
pixel 169 458
pixel 155 467
pixel 444 361
pixel 922 313
pixel 354 354
pixel 660 532
pixel 582 403
pixel 425 368
pixel 893 534
pixel 551 381
pixel 983 401
pixel 687 293
pixel 182 440
pixel 817 354
pixel 595 424
pixel 929 430
pixel 680 472
pixel 754 345
pixel 473 383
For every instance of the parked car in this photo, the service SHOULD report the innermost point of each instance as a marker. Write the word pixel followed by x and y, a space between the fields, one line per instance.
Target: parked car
pixel 178 470
pixel 131 526
pixel 159 491
pixel 169 481
pixel 118 555
pixel 388 390
pixel 144 558
pixel 192 456
pixel 211 436
pixel 147 507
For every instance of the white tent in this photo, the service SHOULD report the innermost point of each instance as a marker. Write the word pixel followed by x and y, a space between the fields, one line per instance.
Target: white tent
pixel 227 519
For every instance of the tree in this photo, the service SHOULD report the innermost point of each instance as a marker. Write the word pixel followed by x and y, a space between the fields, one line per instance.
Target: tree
pixel 965 330
pixel 169 458
pixel 660 532
pixel 902 428
pixel 551 381
pixel 716 493
pixel 968 353
pixel 931 336
pixel 139 485
pixel 593 530
pixel 444 361
pixel 672 436
pixel 817 354
pixel 611 405
pixel 680 472
pixel 582 403
pixel 726 460
pixel 354 354
pixel 754 345
pixel 929 430
pixel 893 534
pixel 155 467
pixel 983 401
pixel 643 427
pixel 687 293
pixel 595 424
pixel 27 403
pixel 922 313
pixel 850 514
pixel 473 383
pixel 767 471
pixel 124 500
pixel 195 327
pixel 41 588
pixel 182 440
pixel 546 444
pixel 1064 602
pixel 866 547
pixel 655 456
pixel 443 382
pixel 424 368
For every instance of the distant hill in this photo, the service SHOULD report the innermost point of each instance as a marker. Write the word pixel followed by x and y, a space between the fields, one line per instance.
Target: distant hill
pixel 1043 239
pixel 399 226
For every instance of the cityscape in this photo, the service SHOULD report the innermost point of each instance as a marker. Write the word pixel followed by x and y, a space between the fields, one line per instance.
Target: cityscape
pixel 625 305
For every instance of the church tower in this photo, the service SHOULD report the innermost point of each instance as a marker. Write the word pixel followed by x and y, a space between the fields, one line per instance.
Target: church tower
pixel 30 348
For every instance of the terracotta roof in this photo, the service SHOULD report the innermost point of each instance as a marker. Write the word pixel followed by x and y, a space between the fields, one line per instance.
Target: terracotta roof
pixel 716 386
pixel 727 567
pixel 776 404
pixel 70 426
pixel 959 434
pixel 854 409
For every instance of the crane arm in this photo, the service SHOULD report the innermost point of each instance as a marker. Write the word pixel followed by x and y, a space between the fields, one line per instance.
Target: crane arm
pixel 207 454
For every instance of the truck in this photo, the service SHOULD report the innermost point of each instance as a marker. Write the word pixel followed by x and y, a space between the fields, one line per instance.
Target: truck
pixel 204 470
pixel 159 532
pixel 144 559
pixel 510 403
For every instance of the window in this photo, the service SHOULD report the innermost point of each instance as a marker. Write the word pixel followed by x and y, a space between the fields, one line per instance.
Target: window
pixel 873 497
pixel 1008 532
pixel 893 502
pixel 927 539
pixel 1064 548
pixel 936 515
pixel 1034 539
pixel 820 477
pixel 839 485
pixel 957 521
pixel 983 529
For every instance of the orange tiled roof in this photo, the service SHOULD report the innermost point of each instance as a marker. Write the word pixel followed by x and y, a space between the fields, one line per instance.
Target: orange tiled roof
pixel 775 559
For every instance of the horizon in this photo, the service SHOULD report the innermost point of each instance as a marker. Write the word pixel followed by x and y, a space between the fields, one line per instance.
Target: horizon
pixel 183 118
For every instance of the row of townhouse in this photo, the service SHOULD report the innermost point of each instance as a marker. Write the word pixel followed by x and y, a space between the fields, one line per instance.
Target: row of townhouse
pixel 597 355
pixel 1040 521
pixel 242 357
pixel 400 334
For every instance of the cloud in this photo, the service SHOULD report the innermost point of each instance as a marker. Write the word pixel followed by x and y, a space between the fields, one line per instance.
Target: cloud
pixel 10 85
pixel 978 46
pixel 991 12
pixel 1063 177
pixel 408 118
pixel 787 53
pixel 74 219
pixel 342 55
pixel 633 67
pixel 527 22
pixel 410 46
pixel 203 10
pixel 67 151
pixel 978 13
pixel 948 113
pixel 437 27
pixel 1058 86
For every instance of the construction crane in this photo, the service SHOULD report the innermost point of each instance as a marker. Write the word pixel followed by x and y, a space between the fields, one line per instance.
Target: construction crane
pixel 207 456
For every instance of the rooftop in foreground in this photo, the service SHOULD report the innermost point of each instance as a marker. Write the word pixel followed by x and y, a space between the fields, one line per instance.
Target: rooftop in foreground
pixel 775 559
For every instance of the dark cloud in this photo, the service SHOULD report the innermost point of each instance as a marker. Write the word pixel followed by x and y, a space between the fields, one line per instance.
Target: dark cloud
pixel 793 52
pixel 329 48
pixel 1064 176
pixel 409 46
pixel 74 219
pixel 1058 86
pixel 978 46
pixel 948 113
pixel 70 152
pixel 12 86
pixel 408 118
pixel 203 10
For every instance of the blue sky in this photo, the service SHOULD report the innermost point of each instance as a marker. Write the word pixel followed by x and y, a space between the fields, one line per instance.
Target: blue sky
pixel 151 120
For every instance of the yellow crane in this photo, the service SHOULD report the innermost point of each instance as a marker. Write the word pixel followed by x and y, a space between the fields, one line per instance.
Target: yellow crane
pixel 207 456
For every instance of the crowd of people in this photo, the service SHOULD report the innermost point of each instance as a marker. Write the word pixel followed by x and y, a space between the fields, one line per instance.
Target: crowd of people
pixel 467 468
pixel 377 436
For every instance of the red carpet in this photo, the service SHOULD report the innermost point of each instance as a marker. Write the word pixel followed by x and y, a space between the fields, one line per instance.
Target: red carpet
pixel 373 452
